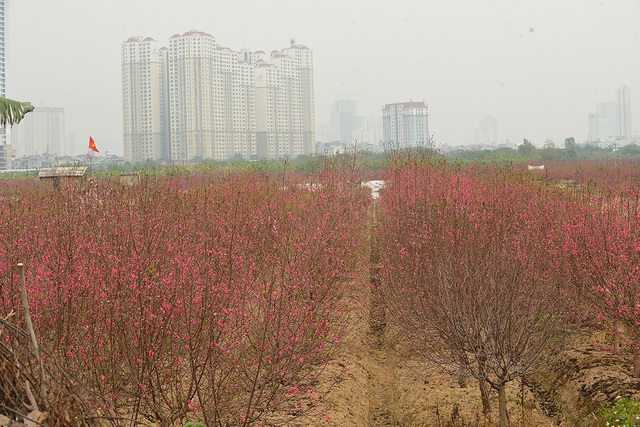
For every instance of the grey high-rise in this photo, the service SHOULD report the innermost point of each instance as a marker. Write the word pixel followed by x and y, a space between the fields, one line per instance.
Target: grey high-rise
pixel 405 125
pixel 624 113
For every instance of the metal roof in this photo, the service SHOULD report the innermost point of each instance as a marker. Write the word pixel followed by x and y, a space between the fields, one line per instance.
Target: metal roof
pixel 62 171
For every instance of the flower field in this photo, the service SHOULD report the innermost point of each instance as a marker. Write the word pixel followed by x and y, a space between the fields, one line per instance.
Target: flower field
pixel 489 271
pixel 221 298
pixel 210 297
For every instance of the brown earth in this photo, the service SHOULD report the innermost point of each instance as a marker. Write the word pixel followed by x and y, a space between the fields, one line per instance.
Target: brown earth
pixel 374 383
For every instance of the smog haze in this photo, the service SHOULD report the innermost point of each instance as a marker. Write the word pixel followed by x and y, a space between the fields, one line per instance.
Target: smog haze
pixel 538 68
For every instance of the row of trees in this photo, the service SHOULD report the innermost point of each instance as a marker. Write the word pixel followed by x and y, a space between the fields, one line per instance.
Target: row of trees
pixel 550 151
pixel 219 297
pixel 213 298
pixel 488 271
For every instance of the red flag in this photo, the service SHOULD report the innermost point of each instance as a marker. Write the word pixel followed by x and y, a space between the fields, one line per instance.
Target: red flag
pixel 92 145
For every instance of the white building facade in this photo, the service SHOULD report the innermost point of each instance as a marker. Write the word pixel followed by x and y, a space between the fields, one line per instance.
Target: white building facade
pixel 611 123
pixel 285 112
pixel 142 85
pixel 405 125
pixel 5 150
pixel 192 95
pixel 487 132
pixel 216 103
pixel 344 121
pixel 624 113
pixel 41 132
pixel 3 91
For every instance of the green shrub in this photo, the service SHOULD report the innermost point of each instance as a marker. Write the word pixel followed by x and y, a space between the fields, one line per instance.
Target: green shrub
pixel 625 412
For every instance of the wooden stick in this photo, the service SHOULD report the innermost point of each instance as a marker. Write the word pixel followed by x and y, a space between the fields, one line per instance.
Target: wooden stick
pixel 32 334
pixel 33 405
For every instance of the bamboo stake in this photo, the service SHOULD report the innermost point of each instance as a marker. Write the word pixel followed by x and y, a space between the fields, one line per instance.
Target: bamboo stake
pixel 32 334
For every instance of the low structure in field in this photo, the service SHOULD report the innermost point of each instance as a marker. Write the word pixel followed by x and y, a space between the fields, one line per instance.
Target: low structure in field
pixel 63 175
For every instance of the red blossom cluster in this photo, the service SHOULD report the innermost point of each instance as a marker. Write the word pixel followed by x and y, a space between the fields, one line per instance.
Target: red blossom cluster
pixel 602 252
pixel 220 297
pixel 472 268
pixel 212 297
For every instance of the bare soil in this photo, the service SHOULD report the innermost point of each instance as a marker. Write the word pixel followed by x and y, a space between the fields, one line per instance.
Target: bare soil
pixel 374 383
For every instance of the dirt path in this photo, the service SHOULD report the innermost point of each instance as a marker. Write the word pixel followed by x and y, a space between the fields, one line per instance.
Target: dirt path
pixel 383 388
pixel 364 390
pixel 381 361
pixel 374 383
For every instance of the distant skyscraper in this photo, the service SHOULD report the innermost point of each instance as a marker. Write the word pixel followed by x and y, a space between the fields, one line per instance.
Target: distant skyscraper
pixel 142 109
pixel 212 99
pixel 285 107
pixel 3 92
pixel 42 131
pixel 487 132
pixel 611 122
pixel 604 125
pixel 624 113
pixel 405 125
pixel 215 103
pixel 193 93
pixel 5 152
pixel 369 135
pixel 592 122
pixel 343 121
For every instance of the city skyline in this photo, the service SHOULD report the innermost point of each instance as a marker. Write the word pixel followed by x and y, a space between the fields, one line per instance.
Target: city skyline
pixel 611 123
pixel 197 99
pixel 538 69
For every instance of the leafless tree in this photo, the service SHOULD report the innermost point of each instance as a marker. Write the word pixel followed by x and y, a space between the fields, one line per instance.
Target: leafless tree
pixel 466 283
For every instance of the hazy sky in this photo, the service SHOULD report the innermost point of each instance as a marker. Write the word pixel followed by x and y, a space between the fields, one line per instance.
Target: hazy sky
pixel 537 67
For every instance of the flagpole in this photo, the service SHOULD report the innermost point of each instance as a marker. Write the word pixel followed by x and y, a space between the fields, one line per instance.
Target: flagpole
pixel 92 147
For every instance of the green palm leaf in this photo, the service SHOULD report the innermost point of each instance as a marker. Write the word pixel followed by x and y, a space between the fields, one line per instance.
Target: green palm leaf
pixel 11 112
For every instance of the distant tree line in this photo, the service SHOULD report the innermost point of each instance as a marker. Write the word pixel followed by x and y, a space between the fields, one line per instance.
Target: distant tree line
pixel 549 151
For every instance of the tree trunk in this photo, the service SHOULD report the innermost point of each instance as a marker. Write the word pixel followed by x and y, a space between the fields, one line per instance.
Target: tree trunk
pixel 484 394
pixel 636 362
pixel 484 391
pixel 502 406
pixel 618 330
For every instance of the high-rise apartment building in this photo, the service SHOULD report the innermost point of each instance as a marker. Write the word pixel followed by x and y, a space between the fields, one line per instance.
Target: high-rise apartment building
pixel 285 114
pixel 142 86
pixel 405 125
pixel 487 132
pixel 369 136
pixel 192 94
pixel 611 123
pixel 211 99
pixel 604 125
pixel 3 92
pixel 5 151
pixel 344 121
pixel 216 103
pixel 349 130
pixel 41 132
pixel 624 113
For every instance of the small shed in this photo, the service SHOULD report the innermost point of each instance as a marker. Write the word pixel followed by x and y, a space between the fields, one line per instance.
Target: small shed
pixel 63 175
pixel 130 178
